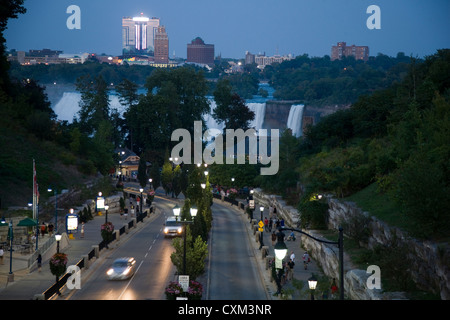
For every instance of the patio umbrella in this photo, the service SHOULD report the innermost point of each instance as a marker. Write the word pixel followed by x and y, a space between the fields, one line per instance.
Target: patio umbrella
pixel 27 222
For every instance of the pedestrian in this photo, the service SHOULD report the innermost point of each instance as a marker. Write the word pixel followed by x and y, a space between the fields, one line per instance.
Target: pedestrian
pixel 266 223
pixel 274 238
pixel 50 230
pixel 82 229
pixel 1 255
pixel 292 257
pixel 270 225
pixel 282 223
pixel 291 236
pixel 334 288
pixel 306 260
pixel 39 262
pixel 291 265
pixel 43 229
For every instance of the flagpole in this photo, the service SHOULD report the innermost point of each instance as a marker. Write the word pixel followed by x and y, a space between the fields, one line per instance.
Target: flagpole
pixel 34 190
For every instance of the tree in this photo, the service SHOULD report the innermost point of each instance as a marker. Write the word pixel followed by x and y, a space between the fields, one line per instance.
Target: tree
pixel 94 103
pixel 102 148
pixel 155 175
pixel 196 252
pixel 142 171
pixel 167 177
pixel 231 108
pixel 9 9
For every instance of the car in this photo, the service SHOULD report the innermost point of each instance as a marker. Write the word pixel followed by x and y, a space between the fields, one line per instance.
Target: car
pixel 172 228
pixel 121 269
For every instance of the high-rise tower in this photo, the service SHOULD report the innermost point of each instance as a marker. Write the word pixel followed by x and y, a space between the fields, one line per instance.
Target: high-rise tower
pixel 138 34
pixel 161 45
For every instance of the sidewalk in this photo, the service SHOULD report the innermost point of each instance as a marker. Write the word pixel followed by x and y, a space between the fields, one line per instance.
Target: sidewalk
pixel 27 283
pixel 299 273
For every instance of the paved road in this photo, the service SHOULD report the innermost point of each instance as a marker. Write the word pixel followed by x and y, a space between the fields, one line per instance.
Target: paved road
pixel 154 267
pixel 233 273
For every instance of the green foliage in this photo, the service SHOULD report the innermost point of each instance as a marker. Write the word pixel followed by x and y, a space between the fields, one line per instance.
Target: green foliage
pixel 231 109
pixel 312 212
pixel 167 177
pixel 196 252
pixel 320 81
pixel 142 171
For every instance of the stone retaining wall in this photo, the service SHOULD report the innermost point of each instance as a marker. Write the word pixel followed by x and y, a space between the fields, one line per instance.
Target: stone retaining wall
pixel 429 270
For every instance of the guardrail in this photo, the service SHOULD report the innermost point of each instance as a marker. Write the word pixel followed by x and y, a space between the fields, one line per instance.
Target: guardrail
pixel 54 289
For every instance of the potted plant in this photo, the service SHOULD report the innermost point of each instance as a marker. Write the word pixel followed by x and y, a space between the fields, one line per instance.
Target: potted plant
pixel 107 230
pixel 58 264
pixel 173 290
pixel 150 196
pixel 195 290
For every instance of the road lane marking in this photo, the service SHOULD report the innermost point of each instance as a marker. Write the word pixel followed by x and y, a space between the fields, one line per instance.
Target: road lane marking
pixel 130 281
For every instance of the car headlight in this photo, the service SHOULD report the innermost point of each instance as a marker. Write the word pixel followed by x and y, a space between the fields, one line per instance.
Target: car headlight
pixel 166 230
pixel 110 272
pixel 180 230
pixel 127 270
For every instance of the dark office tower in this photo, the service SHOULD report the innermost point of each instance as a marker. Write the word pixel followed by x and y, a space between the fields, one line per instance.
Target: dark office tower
pixel 199 52
pixel 161 45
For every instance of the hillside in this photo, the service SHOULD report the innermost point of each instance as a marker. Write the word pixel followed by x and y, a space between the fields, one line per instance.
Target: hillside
pixel 55 165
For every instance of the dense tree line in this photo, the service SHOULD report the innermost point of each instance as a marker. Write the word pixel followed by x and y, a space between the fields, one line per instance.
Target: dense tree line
pixel 397 137
pixel 320 81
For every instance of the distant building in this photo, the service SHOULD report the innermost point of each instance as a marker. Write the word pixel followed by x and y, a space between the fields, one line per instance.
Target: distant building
pixel 46 56
pixel 199 52
pixel 138 34
pixel 262 60
pixel 161 45
pixel 342 50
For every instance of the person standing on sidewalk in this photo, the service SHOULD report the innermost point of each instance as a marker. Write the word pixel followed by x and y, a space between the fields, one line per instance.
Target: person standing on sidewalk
pixel 1 255
pixel 306 260
pixel 82 229
pixel 39 262
pixel 290 268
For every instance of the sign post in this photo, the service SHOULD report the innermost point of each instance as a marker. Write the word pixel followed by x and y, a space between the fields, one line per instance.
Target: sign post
pixel 184 282
pixel 71 224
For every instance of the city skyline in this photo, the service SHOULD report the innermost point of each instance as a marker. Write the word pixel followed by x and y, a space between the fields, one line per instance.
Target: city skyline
pixel 290 27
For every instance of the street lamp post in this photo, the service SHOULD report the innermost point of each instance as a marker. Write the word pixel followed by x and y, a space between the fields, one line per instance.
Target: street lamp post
pixel 106 213
pixel 312 283
pixel 280 252
pixel 176 212
pixel 140 202
pixel 57 238
pixel 261 241
pixel 56 206
pixel 340 245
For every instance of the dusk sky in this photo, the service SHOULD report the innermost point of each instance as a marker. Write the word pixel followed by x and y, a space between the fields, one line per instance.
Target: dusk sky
pixel 415 27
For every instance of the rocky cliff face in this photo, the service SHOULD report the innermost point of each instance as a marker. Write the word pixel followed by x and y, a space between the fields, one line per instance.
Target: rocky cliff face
pixel 430 262
pixel 277 113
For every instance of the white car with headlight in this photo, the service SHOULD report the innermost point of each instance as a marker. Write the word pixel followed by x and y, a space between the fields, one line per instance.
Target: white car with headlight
pixel 122 268
pixel 172 228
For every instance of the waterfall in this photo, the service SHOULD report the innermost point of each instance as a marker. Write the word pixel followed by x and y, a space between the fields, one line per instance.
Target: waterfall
pixel 295 119
pixel 260 112
pixel 258 108
pixel 68 106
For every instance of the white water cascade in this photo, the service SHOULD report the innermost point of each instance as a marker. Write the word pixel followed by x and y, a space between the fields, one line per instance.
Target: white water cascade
pixel 260 112
pixel 295 119
pixel 68 106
